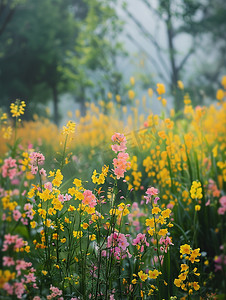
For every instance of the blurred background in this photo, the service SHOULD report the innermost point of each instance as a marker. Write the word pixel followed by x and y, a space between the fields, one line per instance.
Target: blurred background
pixel 63 54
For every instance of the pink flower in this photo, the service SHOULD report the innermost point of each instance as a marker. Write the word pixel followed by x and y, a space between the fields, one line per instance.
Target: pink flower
pixel 152 191
pixel 36 159
pixel 89 198
pixel 67 197
pixel 9 168
pixel 61 198
pixel 22 265
pixel 48 186
pixel 118 244
pixel 223 201
pixel 16 214
pixel 30 278
pixel 8 288
pixel 42 172
pixel 19 289
pixel 121 162
pixel 8 261
pixel 221 210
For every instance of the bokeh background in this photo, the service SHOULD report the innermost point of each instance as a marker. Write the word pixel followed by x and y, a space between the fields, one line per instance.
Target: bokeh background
pixel 63 54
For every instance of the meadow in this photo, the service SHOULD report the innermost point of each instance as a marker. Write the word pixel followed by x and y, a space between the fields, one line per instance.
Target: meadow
pixel 114 205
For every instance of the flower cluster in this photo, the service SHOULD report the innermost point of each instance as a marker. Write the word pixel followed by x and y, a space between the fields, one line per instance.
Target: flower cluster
pixel 69 128
pixel 222 209
pixel 140 241
pixel 196 190
pixel 120 163
pixel 184 280
pixel 100 178
pixel 9 168
pixel 117 243
pixel 17 108
pixel 36 159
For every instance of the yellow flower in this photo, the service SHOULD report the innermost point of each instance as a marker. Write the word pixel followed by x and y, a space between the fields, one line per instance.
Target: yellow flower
pixel 154 274
pixel 196 286
pixel 17 108
pixel 77 182
pixel 185 249
pixel 85 225
pixel 150 222
pixel 184 267
pixel 109 95
pixel 33 224
pixel 55 236
pixel 58 178
pixel 155 210
pixel 131 94
pixel 77 234
pixel 132 80
pixel 162 232
pixel 69 128
pixel 197 207
pixel 180 84
pixel 160 88
pixel 63 240
pixel 164 102
pixel 150 92
pixel 196 190
pixel 42 212
pixel 142 275
pixel 27 249
pixel 44 272
pixel 223 81
pixel 166 213
pixel 92 237
pixel 177 282
pixel 220 95
pixel 7 132
pixel 118 98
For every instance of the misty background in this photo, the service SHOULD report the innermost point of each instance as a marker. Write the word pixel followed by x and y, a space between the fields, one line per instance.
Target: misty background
pixel 65 53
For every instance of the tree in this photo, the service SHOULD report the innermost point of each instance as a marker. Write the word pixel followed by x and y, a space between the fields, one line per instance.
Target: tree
pixel 178 18
pixel 92 63
pixel 34 51
pixel 7 10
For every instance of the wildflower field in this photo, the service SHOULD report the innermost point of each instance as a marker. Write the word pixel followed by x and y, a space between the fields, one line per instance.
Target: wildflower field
pixel 116 205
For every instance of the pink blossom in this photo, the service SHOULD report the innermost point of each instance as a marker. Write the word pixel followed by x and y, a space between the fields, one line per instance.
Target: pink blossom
pixel 221 210
pixel 48 185
pixel 117 243
pixel 151 192
pixel 61 198
pixel 8 288
pixel 19 289
pixel 30 278
pixel 22 265
pixel 223 201
pixel 43 172
pixel 141 240
pixel 67 197
pixel 8 261
pixel 15 181
pixel 89 198
pixel 16 214
pixel 9 168
pixel 36 159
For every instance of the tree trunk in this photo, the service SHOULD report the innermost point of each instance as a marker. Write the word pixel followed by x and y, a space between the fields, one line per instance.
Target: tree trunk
pixel 55 106
pixel 178 103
